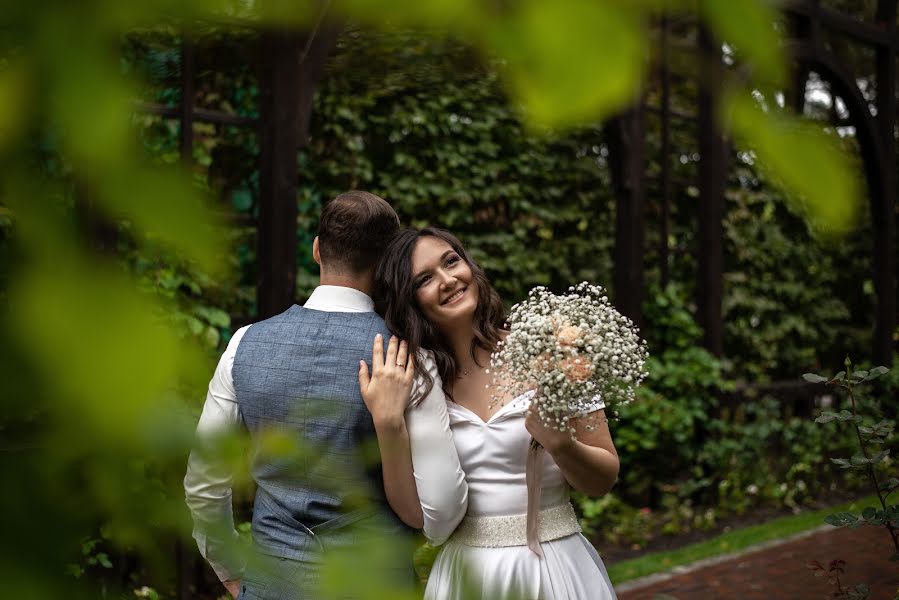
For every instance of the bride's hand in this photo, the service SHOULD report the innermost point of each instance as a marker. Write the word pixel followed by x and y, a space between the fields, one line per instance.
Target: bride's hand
pixel 549 437
pixel 386 391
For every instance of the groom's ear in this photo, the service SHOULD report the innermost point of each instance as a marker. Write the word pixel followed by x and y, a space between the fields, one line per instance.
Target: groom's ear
pixel 316 255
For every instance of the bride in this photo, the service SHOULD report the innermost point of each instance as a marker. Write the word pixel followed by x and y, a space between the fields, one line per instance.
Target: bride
pixel 436 298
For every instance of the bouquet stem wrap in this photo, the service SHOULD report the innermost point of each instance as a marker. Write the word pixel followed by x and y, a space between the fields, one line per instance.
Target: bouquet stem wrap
pixel 534 477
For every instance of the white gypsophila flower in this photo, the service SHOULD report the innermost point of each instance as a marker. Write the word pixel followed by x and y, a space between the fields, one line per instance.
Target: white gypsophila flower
pixel 574 348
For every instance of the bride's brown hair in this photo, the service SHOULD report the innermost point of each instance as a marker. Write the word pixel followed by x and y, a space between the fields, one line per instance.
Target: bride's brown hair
pixel 395 300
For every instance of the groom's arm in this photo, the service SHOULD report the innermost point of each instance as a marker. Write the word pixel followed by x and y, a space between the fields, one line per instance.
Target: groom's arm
pixel 439 478
pixel 207 484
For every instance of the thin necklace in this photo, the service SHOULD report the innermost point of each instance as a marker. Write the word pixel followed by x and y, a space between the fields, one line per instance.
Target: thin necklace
pixel 468 369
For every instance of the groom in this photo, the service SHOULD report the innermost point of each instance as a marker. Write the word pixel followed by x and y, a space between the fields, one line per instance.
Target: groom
pixel 294 377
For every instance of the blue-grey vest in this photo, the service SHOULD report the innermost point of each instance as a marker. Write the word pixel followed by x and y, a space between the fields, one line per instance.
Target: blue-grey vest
pixel 315 455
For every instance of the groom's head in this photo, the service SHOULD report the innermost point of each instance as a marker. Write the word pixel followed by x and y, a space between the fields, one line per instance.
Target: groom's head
pixel 354 229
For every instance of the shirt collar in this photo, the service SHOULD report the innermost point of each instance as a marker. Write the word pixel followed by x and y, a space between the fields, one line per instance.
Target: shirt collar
pixel 335 298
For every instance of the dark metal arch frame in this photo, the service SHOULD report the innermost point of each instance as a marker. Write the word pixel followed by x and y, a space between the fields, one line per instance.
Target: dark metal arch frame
pixel 877 139
pixel 810 57
pixel 876 134
pixel 878 175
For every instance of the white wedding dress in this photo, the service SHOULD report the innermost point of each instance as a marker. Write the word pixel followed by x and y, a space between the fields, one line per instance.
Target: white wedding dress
pixel 493 456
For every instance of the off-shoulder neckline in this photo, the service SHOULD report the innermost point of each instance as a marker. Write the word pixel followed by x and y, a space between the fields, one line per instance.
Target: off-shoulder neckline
pixel 504 409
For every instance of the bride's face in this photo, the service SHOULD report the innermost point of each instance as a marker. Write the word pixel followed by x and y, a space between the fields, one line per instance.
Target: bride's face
pixel 444 286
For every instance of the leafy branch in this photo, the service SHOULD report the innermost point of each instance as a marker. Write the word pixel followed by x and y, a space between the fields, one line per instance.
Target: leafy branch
pixel 867 458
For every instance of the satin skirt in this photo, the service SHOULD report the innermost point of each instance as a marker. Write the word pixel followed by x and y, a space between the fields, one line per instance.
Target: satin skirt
pixel 571 569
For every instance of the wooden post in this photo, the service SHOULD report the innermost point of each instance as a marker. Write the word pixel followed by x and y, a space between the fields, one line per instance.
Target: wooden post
pixel 312 66
pixel 292 65
pixel 279 110
pixel 626 138
pixel 712 179
pixel 665 158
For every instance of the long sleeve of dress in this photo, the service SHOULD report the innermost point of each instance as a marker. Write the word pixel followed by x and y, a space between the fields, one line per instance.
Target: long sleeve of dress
pixel 442 489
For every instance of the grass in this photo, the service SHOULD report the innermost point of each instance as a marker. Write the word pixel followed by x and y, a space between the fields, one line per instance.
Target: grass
pixel 731 541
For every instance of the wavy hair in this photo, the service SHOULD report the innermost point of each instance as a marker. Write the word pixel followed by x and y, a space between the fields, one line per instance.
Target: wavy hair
pixel 395 300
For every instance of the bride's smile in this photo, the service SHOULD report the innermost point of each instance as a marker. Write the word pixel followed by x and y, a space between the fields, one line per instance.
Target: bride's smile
pixel 455 297
pixel 443 283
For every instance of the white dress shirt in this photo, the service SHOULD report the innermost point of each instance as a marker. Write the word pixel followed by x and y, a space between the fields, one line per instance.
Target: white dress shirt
pixel 439 478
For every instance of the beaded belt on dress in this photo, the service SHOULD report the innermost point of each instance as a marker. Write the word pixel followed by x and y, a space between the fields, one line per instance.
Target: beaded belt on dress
pixel 499 532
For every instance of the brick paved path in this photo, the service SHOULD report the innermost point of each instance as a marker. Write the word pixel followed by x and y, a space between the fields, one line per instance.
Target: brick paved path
pixel 779 572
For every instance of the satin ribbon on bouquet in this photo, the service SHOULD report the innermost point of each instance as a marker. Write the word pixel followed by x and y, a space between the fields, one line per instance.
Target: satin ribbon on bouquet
pixel 533 477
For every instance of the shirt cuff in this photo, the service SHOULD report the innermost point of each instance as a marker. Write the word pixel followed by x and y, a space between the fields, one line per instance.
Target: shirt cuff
pixel 224 556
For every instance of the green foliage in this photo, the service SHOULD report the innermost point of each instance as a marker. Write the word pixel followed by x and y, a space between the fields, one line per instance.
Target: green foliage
pixel 763 458
pixel 95 352
pixel 549 48
pixel 190 299
pixel 571 62
pixel 750 28
pixel 790 150
pixel 787 294
pixel 758 459
pixel 91 557
pixel 103 346
pixel 619 522
pixel 685 464
pixel 870 435
pixel 657 433
pixel 147 592
pixel 533 210
pixel 419 120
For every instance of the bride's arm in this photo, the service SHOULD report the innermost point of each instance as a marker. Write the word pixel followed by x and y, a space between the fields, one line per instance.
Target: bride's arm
pixel 589 462
pixel 439 478
pixel 423 479
pixel 386 395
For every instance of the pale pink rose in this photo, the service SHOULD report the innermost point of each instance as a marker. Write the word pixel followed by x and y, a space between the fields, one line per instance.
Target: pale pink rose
pixel 541 363
pixel 576 368
pixel 568 335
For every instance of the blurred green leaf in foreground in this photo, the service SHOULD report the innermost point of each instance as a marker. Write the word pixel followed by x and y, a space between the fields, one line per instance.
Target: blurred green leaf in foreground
pixel 94 372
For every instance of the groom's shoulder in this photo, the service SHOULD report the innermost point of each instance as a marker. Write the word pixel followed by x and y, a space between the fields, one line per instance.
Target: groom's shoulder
pixel 273 322
pixel 298 317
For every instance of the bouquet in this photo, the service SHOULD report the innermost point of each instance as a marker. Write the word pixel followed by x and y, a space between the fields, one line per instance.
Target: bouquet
pixel 576 349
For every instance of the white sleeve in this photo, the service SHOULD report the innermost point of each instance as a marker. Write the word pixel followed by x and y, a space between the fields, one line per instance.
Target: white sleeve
pixel 207 484
pixel 442 489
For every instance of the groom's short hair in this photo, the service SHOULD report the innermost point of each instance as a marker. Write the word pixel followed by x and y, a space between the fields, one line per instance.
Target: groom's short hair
pixel 354 229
